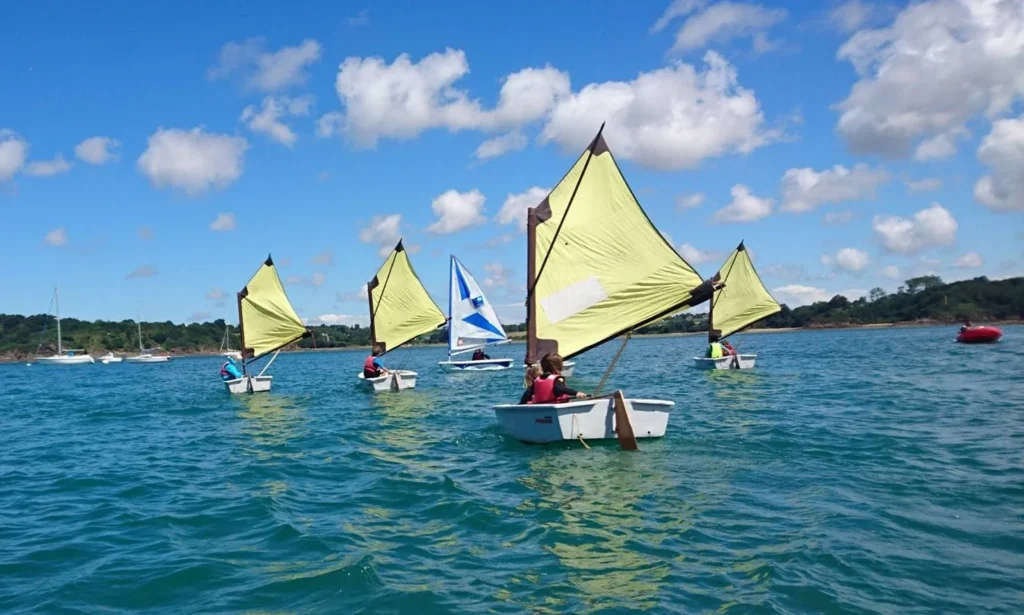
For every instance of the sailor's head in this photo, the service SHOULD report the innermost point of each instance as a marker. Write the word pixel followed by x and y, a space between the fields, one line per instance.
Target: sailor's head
pixel 715 336
pixel 551 363
pixel 377 350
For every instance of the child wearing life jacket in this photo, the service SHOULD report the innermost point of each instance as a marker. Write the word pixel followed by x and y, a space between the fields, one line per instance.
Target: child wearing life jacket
pixel 372 367
pixel 550 387
pixel 229 371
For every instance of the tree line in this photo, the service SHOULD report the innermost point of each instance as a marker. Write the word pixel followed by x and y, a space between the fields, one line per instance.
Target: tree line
pixel 919 299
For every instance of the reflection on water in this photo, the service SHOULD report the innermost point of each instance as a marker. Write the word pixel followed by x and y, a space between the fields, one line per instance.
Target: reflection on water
pixel 272 421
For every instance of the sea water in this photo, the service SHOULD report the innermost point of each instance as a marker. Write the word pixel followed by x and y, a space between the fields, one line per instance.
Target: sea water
pixel 853 471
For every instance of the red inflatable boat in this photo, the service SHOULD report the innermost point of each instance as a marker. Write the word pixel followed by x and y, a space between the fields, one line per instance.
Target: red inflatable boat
pixel 979 335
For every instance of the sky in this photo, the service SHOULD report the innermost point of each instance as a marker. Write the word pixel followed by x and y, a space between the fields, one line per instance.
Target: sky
pixel 153 154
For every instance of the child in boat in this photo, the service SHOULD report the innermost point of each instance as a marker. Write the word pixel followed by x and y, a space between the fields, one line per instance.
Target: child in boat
pixel 532 373
pixel 727 349
pixel 480 355
pixel 550 386
pixel 229 371
pixel 715 348
pixel 372 367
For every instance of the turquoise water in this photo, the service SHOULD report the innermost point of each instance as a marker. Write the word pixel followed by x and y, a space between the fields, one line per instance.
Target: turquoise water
pixel 852 472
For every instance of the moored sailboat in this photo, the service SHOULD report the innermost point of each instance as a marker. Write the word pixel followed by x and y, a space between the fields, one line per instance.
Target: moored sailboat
pixel 472 324
pixel 64 356
pixel 594 272
pixel 267 322
pixel 146 354
pixel 740 300
pixel 400 310
pixel 225 345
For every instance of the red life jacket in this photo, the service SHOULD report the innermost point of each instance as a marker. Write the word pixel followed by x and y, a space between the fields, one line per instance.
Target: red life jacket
pixel 369 368
pixel 544 391
pixel 224 369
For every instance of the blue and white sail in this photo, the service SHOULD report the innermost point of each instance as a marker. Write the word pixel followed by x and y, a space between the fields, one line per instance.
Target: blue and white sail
pixel 473 322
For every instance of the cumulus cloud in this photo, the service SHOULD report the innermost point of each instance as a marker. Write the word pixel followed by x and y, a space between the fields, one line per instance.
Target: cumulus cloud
pixel 930 227
pixel 1002 151
pixel 890 271
pixel 192 160
pixel 497 146
pixel 265 70
pixel 848 259
pixel 719 23
pixel 57 237
pixel 850 15
pixel 316 280
pixel 837 217
pixel 744 207
pixel 797 294
pixel 497 275
pixel 338 319
pixel 696 256
pixel 267 119
pixel 513 210
pixel 97 150
pixel 224 222
pixel 805 189
pixel 217 296
pixel 456 211
pixel 971 260
pixel 667 119
pixel 324 258
pixel 142 271
pixel 360 295
pixel 689 201
pixel 385 231
pixel 939 64
pixel 13 150
pixel 48 168
pixel 927 184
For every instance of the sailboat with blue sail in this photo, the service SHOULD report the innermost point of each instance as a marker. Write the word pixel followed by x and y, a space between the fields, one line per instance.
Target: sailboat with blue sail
pixel 472 325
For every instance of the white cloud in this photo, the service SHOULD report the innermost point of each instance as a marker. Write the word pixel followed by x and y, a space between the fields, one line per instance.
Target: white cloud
pixel 224 222
pixel 971 260
pixel 385 231
pixel 666 119
pixel 359 296
pixel 848 259
pixel 939 147
pixel 13 150
pixel 515 206
pixel 939 64
pixel 720 22
pixel 500 240
pixel 678 8
pixel 268 119
pixel 316 280
pixel 852 14
pixel 57 237
pixel 497 275
pixel 324 258
pixel 930 227
pixel 689 201
pixel 97 150
pixel 192 160
pixel 796 295
pixel 927 184
pixel 1003 151
pixel 745 207
pixel 837 217
pixel 48 168
pixel 890 271
pixel 217 296
pixel 696 256
pixel 492 148
pixel 145 233
pixel 456 211
pixel 338 319
pixel 265 70
pixel 805 189
pixel 142 271
pixel 404 98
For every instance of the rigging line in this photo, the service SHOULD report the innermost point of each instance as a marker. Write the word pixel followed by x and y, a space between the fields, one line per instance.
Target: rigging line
pixel 565 214
pixel 611 366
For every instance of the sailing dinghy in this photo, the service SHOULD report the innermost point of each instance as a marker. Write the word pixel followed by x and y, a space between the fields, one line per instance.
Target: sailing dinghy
pixel 64 356
pixel 472 324
pixel 267 322
pixel 740 300
pixel 595 271
pixel 400 310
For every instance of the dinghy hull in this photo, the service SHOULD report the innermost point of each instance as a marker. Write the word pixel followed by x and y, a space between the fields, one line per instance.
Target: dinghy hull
pixel 980 335
pixel 485 365
pixel 746 361
pixel 148 359
pixel 249 384
pixel 591 419
pixel 380 384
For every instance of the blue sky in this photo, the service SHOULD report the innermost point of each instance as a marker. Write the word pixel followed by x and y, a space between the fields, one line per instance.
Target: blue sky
pixel 152 155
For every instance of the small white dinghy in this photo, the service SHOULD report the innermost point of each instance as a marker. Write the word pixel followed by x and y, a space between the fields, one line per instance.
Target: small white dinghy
pixel 400 310
pixel 389 382
pixel 740 361
pixel 472 324
pixel 589 419
pixel 110 358
pixel 249 384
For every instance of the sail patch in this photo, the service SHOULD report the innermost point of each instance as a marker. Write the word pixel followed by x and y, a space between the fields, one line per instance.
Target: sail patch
pixel 573 299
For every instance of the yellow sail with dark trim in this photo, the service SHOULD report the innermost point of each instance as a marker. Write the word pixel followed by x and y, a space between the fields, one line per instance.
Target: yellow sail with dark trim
pixel 608 272
pixel 400 308
pixel 743 300
pixel 266 317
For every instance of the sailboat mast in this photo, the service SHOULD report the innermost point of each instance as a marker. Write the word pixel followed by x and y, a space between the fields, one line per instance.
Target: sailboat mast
pixel 56 302
pixel 241 326
pixel 139 325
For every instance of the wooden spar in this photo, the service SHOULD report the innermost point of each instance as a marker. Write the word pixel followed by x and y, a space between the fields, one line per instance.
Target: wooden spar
pixel 623 427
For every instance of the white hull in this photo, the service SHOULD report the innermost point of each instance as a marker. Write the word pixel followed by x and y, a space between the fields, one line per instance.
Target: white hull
pixel 591 419
pixel 746 361
pixel 77 359
pixel 568 368
pixel 485 365
pixel 148 359
pixel 406 380
pixel 233 354
pixel 249 384
pixel 110 358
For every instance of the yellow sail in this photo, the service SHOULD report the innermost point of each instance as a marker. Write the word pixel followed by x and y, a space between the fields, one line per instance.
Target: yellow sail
pixel 266 318
pixel 608 272
pixel 400 308
pixel 743 300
